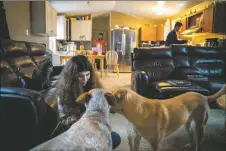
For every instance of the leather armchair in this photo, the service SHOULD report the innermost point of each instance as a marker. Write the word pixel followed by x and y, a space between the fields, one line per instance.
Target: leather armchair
pixel 26 119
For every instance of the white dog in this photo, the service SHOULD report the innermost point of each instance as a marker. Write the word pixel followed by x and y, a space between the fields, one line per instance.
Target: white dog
pixel 92 132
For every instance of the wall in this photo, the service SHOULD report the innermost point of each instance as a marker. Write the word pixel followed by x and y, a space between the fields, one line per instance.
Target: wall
pixel 199 38
pixel 132 21
pixel 196 8
pixel 18 19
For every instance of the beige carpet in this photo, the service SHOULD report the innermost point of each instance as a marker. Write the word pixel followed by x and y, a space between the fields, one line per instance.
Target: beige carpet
pixel 213 140
pixel 112 81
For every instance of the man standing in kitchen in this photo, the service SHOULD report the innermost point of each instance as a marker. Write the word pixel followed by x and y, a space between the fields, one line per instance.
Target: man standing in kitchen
pixel 172 36
pixel 101 43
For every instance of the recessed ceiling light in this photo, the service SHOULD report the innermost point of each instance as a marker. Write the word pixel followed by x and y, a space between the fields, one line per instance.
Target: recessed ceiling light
pixel 180 4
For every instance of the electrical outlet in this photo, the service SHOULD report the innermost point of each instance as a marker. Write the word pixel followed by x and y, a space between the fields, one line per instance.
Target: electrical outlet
pixel 27 32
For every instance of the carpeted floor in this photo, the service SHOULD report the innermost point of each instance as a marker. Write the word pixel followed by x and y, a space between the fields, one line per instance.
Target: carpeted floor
pixel 213 140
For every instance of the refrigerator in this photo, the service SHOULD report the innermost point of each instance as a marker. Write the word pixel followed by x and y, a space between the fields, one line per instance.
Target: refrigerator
pixel 123 41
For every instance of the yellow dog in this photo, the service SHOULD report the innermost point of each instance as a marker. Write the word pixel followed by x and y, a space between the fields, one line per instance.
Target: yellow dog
pixel 155 119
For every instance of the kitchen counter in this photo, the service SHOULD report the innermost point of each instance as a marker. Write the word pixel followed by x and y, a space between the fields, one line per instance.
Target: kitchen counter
pixel 200 38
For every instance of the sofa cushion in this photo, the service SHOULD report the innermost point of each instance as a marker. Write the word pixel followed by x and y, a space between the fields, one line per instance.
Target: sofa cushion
pixel 166 89
pixel 209 67
pixel 181 61
pixel 180 55
pixel 157 69
pixel 209 61
pixel 8 76
pixel 156 62
pixel 23 64
pixel 153 52
pixel 215 84
pixel 13 48
pixel 37 52
pixel 206 52
pixel 35 49
pixel 196 78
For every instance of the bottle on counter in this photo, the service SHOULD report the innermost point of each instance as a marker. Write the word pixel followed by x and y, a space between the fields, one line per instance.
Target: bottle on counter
pixel 81 47
pixel 99 49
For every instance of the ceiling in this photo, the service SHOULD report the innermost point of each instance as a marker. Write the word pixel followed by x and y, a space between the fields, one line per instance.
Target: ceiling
pixel 148 9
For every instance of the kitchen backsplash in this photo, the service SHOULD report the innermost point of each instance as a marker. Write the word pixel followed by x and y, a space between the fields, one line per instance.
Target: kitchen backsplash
pixel 87 44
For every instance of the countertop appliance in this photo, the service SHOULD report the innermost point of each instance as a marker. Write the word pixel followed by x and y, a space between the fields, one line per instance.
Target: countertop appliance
pixel 123 41
pixel 212 42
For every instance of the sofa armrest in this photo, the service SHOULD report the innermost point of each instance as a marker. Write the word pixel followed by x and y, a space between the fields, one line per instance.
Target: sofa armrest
pixel 33 119
pixel 139 82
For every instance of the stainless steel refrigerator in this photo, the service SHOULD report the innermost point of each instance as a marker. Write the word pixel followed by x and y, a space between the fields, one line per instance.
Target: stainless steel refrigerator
pixel 123 42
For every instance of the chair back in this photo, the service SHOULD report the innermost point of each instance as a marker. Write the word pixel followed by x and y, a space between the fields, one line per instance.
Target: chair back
pixel 111 57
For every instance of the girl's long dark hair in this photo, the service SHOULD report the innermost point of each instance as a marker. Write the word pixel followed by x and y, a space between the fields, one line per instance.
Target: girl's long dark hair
pixel 69 87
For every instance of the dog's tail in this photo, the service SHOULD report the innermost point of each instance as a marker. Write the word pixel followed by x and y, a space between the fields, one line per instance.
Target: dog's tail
pixel 213 97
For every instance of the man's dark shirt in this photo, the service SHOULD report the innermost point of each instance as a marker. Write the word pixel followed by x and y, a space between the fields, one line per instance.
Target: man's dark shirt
pixel 172 39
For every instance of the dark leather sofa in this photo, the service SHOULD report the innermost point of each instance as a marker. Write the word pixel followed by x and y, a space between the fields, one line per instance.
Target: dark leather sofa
pixel 204 68
pixel 24 59
pixel 25 114
pixel 26 120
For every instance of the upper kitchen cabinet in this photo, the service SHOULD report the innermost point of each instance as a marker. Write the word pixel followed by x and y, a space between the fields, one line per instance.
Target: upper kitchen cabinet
pixel 43 18
pixel 61 28
pixel 219 18
pixel 208 19
pixel 160 33
pixel 148 34
pixel 81 28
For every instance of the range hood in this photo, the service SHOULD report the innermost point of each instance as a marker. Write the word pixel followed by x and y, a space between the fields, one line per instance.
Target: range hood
pixel 196 29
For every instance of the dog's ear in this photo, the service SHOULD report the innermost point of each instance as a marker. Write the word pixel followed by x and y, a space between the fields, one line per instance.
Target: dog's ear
pixel 84 98
pixel 110 98
pixel 119 94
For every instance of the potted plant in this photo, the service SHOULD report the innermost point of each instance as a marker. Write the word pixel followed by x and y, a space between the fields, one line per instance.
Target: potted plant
pixel 82 38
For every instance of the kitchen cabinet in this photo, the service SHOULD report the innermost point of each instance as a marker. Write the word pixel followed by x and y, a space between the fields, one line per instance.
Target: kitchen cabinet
pixel 61 28
pixel 148 34
pixel 219 18
pixel 54 22
pixel 79 28
pixel 43 18
pixel 208 19
pixel 160 33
